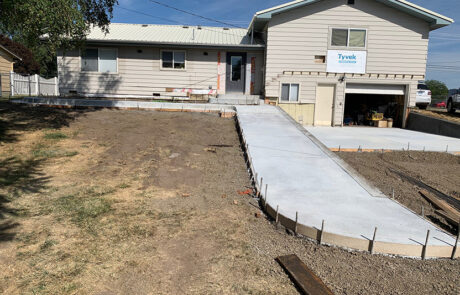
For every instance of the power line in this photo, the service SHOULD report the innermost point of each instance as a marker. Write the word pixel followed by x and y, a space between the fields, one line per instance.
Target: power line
pixel 174 21
pixel 196 15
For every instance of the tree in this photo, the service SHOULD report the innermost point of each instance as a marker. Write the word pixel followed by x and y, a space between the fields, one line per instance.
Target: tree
pixel 27 64
pixel 437 88
pixel 45 26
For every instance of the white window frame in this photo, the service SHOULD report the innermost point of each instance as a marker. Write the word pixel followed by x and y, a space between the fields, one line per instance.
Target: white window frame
pixel 98 60
pixel 173 52
pixel 348 38
pixel 289 101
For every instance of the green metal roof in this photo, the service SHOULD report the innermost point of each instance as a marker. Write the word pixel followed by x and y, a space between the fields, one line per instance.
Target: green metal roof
pixel 436 20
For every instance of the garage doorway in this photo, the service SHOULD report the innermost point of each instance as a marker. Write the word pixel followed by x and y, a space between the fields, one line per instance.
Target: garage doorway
pixel 324 104
pixel 367 104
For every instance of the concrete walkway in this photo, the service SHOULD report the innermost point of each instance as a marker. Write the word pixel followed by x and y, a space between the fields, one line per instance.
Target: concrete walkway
pixel 302 177
pixel 383 138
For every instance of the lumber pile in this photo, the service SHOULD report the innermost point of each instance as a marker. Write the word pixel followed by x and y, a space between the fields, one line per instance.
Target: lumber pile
pixel 303 277
pixel 445 210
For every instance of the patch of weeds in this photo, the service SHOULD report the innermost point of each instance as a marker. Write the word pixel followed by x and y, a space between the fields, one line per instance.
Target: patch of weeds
pixel 42 151
pixel 70 287
pixel 55 135
pixel 124 185
pixel 28 238
pixel 84 210
pixel 47 244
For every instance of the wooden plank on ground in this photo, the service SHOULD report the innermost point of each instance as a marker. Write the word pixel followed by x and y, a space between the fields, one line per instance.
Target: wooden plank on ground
pixel 302 276
pixel 449 217
pixel 441 204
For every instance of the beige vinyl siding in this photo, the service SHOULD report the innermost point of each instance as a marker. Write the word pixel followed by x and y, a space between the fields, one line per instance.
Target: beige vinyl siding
pixel 397 43
pixel 6 66
pixel 141 73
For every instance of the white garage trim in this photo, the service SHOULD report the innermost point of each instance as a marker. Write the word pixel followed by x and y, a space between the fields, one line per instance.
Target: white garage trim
pixel 375 89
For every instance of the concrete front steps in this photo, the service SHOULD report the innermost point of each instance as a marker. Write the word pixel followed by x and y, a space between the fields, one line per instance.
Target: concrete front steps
pixel 236 99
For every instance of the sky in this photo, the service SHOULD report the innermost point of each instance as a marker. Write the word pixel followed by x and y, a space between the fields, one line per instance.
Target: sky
pixel 444 47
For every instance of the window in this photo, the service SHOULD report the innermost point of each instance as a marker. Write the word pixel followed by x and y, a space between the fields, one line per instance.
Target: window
pixel 348 38
pixel 173 59
pixel 99 60
pixel 289 92
pixel 236 67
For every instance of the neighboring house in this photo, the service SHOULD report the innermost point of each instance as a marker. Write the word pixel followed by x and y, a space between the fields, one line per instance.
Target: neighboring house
pixel 7 59
pixel 320 60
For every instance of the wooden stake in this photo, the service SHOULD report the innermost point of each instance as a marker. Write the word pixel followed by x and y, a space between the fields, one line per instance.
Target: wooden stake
pixel 296 222
pixel 426 245
pixel 423 211
pixel 339 148
pixel 261 186
pixel 393 193
pixel 373 241
pixel 447 148
pixel 321 233
pixel 454 250
pixel 277 210
pixel 255 181
pixel 266 188
pixel 408 146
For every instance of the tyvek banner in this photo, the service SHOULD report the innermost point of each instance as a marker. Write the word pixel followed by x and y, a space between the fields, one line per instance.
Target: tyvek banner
pixel 341 61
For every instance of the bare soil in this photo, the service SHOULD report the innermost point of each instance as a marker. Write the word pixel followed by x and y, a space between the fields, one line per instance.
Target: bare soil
pixel 132 202
pixel 388 172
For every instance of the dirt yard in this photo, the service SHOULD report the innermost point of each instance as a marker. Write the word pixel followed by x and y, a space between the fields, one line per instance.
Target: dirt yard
pixel 133 202
pixel 406 172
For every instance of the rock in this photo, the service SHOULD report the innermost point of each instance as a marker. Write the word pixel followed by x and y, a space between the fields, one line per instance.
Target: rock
pixel 235 202
pixel 258 214
pixel 185 195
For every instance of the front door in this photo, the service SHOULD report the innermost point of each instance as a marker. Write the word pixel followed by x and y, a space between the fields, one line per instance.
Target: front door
pixel 236 69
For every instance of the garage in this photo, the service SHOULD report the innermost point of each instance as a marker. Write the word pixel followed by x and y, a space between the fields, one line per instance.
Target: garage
pixel 379 105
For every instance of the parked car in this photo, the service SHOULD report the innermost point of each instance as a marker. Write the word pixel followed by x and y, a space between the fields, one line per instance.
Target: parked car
pixel 441 104
pixel 423 98
pixel 453 102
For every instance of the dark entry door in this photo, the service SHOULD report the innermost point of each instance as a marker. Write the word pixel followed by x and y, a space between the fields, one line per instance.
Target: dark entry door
pixel 236 70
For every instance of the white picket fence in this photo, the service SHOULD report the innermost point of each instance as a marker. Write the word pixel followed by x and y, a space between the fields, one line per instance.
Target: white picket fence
pixel 33 85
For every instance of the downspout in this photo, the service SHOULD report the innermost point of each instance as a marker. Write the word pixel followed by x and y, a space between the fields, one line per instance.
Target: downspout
pixel 252 34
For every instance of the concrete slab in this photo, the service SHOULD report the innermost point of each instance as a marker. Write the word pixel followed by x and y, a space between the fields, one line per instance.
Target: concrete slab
pixel 303 178
pixel 383 138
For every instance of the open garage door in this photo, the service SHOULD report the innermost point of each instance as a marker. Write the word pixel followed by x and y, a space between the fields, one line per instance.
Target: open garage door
pixel 367 104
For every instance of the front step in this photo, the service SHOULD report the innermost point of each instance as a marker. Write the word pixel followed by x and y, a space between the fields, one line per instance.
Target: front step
pixel 237 99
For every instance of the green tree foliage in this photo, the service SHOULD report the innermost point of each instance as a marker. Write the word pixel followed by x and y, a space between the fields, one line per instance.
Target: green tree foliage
pixel 437 88
pixel 45 26
pixel 27 64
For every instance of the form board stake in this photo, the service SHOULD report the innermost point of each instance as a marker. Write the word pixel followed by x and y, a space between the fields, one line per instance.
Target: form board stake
pixel 373 241
pixel 426 245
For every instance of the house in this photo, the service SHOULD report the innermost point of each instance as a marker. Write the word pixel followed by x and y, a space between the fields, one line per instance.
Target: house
pixel 325 62
pixel 7 59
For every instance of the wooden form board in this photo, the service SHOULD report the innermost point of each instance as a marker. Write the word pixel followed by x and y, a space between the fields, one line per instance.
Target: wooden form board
pixel 303 277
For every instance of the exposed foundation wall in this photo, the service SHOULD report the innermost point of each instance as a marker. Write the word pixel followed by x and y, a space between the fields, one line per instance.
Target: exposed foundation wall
pixel 302 113
pixel 140 73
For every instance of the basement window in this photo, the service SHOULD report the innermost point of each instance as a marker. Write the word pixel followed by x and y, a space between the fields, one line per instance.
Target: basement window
pixel 289 92
pixel 173 60
pixel 348 38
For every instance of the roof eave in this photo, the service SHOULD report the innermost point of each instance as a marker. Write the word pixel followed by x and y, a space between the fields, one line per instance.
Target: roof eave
pixel 436 20
pixel 10 53
pixel 172 44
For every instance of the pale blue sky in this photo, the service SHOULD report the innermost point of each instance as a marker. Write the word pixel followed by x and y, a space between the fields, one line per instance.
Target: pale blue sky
pixel 444 49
